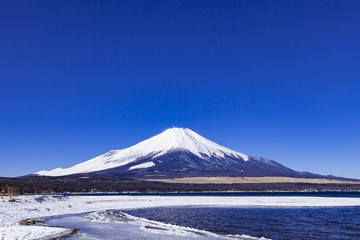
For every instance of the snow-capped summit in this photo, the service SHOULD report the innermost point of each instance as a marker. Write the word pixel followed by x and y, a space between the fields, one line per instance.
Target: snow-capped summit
pixel 183 139
pixel 176 152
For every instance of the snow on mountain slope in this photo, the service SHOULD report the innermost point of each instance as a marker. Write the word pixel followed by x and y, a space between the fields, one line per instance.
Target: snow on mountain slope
pixel 173 139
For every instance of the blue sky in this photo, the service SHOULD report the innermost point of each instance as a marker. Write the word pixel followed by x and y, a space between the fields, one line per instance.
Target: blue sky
pixel 278 79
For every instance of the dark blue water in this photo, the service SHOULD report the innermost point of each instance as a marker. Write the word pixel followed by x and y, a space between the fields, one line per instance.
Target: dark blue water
pixel 277 223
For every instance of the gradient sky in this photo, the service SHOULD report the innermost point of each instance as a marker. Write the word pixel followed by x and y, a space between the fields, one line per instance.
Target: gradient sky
pixel 278 79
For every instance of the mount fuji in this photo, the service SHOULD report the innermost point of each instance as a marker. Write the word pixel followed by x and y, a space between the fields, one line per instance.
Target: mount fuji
pixel 178 153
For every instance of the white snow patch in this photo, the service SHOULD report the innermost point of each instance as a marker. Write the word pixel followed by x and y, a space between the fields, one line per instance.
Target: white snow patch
pixel 143 165
pixel 32 232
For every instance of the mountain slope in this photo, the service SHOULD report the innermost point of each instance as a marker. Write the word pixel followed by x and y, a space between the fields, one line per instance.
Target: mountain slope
pixel 177 152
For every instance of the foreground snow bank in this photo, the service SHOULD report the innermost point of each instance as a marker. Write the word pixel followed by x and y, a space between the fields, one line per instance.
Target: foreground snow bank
pixel 27 207
pixel 32 232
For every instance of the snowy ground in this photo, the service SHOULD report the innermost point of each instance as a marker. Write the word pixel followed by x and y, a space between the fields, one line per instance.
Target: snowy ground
pixel 29 207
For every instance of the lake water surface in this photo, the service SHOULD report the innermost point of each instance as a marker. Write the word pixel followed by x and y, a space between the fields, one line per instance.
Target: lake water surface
pixel 275 223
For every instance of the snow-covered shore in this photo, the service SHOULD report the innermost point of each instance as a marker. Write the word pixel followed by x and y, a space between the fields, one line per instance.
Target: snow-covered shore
pixel 30 207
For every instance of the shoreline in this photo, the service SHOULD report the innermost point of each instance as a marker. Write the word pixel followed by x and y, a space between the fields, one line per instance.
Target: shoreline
pixel 35 206
pixel 134 227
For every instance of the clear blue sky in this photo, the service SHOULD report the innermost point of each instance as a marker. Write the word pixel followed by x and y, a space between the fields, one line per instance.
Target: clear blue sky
pixel 278 79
